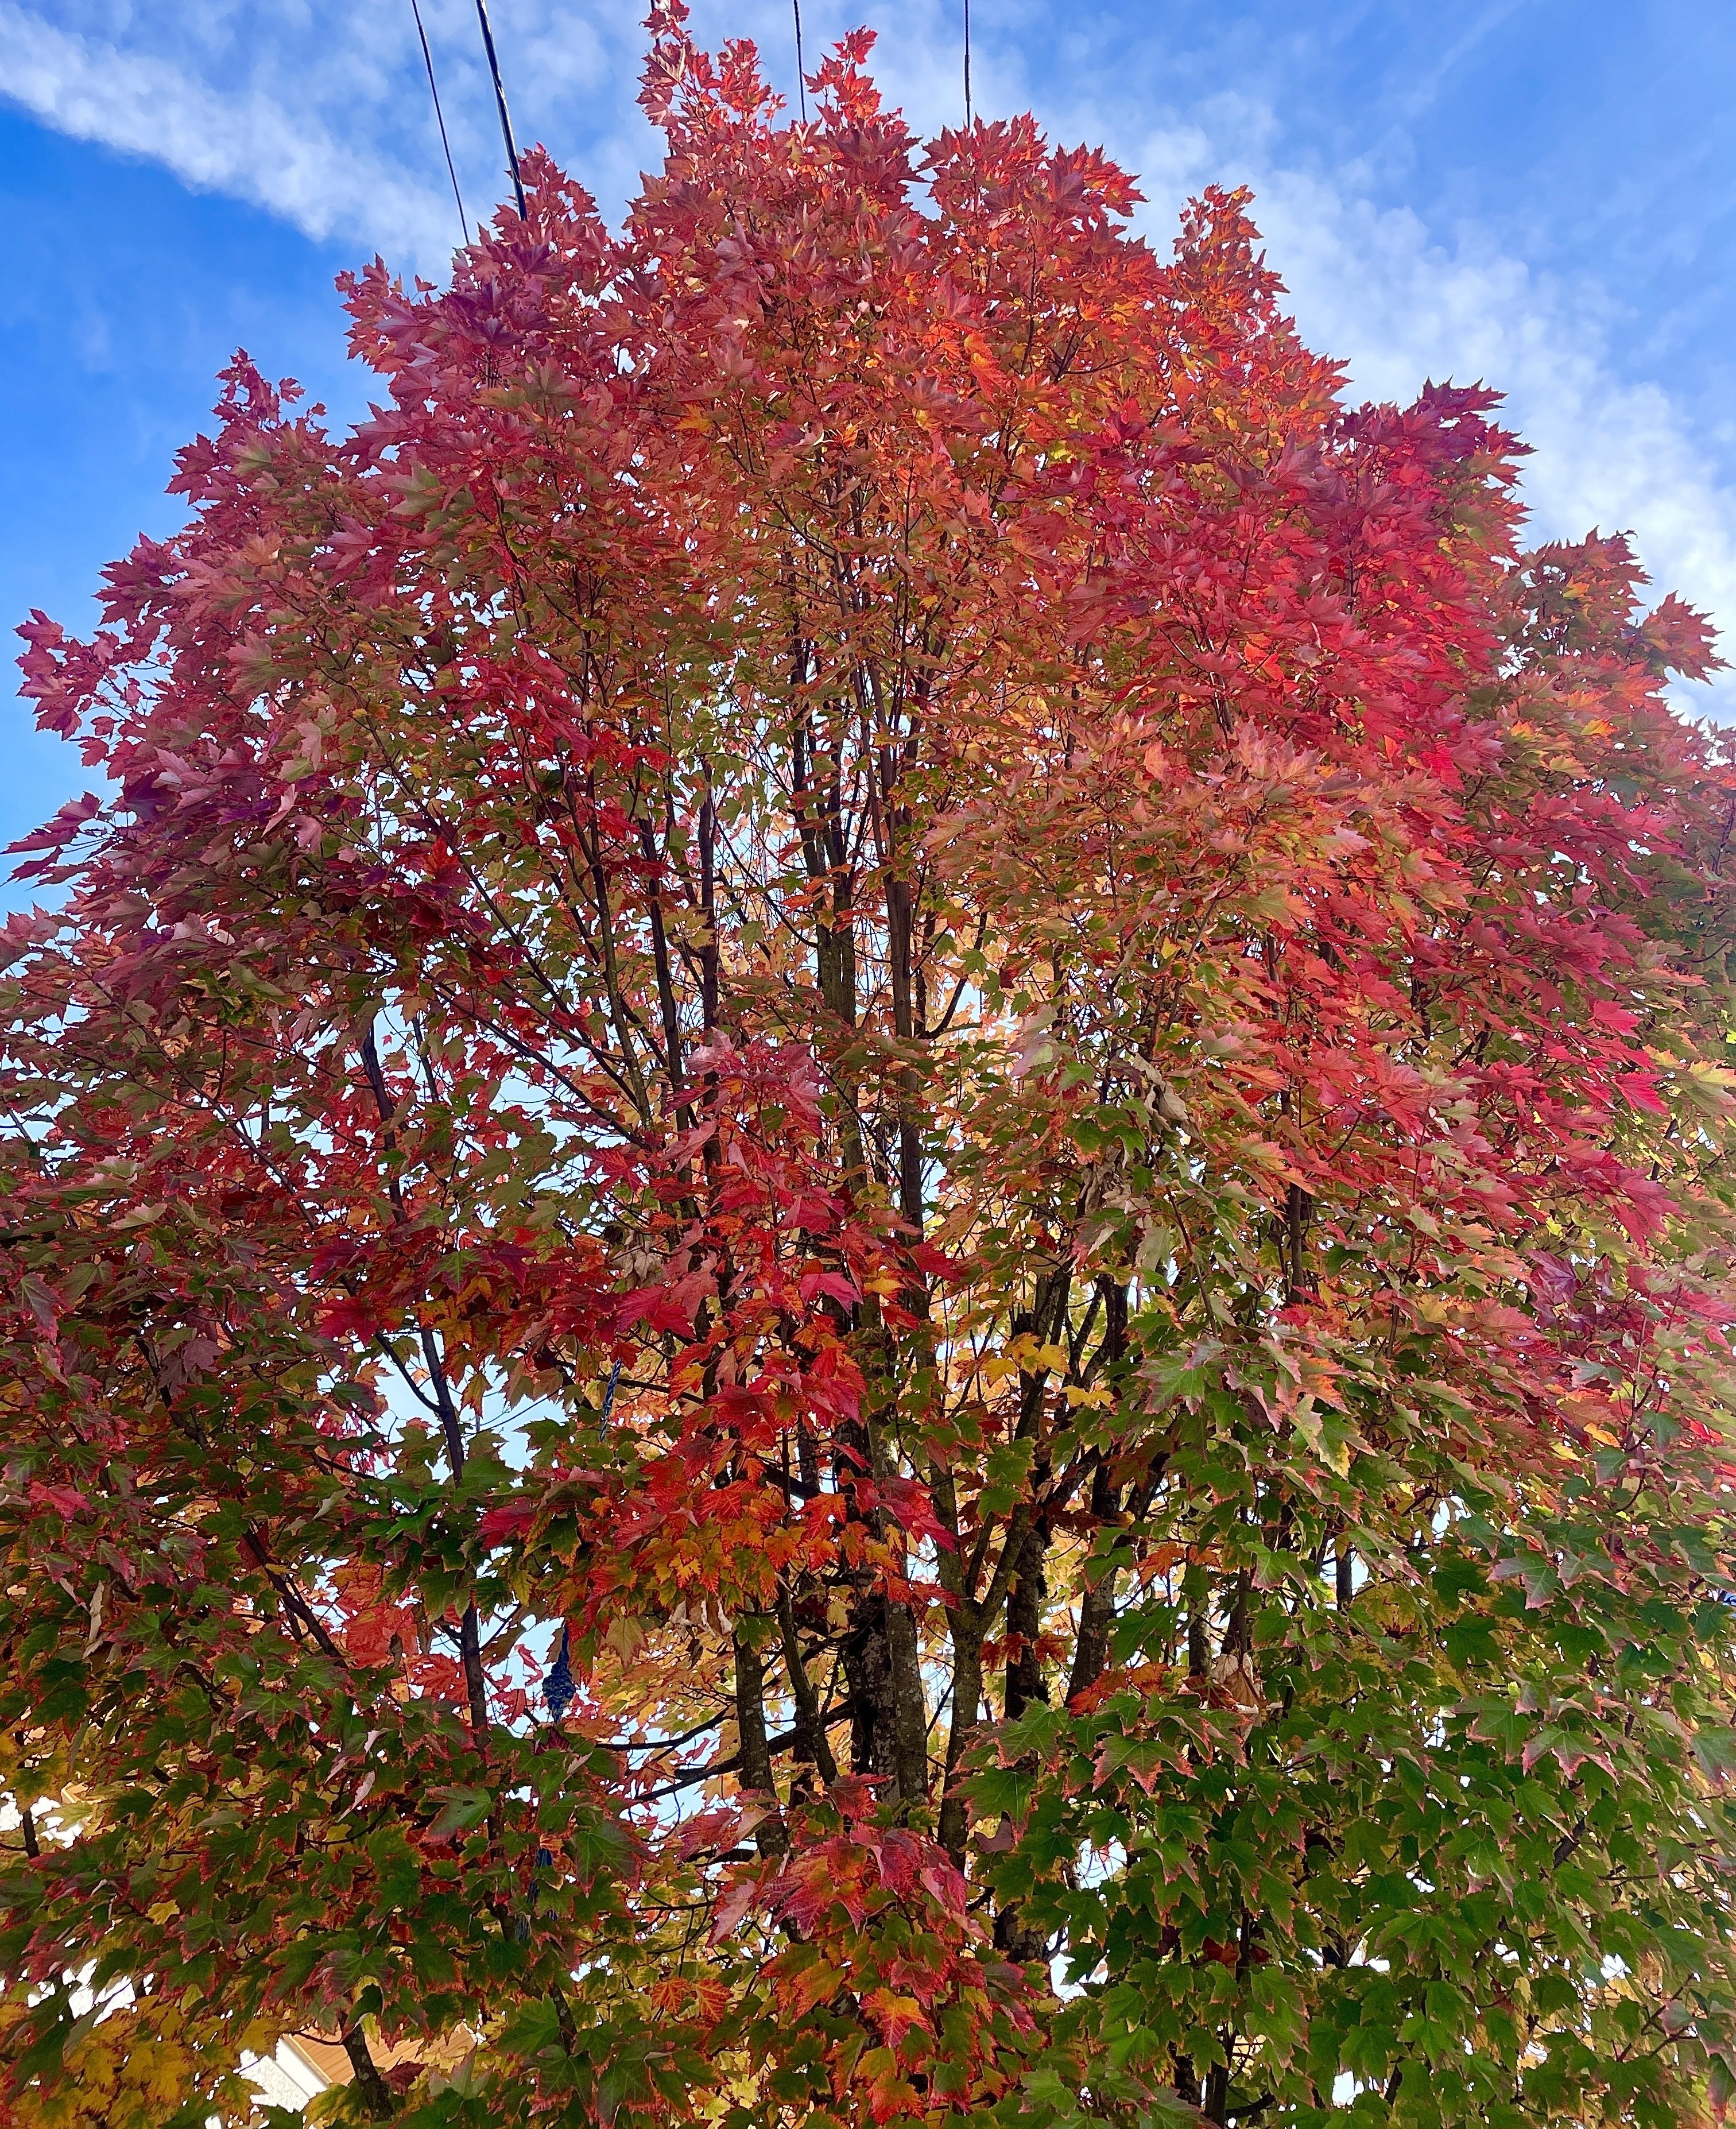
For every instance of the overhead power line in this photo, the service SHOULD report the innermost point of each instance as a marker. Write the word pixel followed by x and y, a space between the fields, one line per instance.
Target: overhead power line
pixel 440 118
pixel 968 118
pixel 499 105
pixel 801 83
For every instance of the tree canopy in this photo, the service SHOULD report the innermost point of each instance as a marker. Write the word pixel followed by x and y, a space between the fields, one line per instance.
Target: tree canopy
pixel 867 1230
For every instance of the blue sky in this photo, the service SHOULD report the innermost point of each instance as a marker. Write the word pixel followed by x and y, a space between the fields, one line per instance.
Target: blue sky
pixel 1538 192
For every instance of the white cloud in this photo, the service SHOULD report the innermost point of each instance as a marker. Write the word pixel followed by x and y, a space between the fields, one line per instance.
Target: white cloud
pixel 1375 287
pixel 245 141
pixel 1606 450
pixel 317 110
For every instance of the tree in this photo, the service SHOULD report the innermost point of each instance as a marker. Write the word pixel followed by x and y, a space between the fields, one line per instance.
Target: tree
pixel 868 1225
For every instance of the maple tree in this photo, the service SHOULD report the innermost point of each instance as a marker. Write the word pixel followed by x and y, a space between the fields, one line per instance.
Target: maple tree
pixel 868 1238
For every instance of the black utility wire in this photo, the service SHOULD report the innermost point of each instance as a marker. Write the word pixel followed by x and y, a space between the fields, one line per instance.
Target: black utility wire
pixel 499 105
pixel 802 86
pixel 440 118
pixel 967 119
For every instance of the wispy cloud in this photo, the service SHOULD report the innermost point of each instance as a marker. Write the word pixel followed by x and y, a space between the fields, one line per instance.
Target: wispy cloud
pixel 1403 303
pixel 317 111
pixel 1608 450
pixel 246 140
